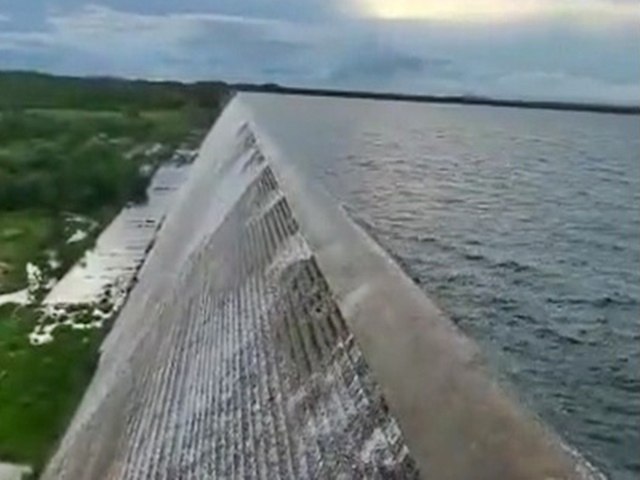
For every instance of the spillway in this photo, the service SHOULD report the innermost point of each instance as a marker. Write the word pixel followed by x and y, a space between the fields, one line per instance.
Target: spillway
pixel 269 337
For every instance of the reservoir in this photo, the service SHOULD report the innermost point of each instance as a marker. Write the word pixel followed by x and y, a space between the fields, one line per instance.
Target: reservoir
pixel 522 225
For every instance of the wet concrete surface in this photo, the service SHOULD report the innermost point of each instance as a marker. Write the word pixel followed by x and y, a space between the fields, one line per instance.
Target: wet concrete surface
pixel 269 337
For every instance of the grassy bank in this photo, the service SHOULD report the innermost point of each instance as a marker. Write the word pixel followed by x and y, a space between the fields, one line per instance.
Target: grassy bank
pixel 24 235
pixel 39 386
pixel 73 152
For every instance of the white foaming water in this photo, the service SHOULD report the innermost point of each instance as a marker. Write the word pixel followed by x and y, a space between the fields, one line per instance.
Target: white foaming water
pixel 121 247
pixel 21 297
pixel 232 357
pixel 77 236
pixel 206 307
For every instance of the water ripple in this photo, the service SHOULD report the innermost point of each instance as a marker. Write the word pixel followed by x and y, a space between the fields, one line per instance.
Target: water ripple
pixel 523 225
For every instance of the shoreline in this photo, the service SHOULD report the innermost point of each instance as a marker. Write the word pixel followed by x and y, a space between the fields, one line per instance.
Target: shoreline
pixel 443 99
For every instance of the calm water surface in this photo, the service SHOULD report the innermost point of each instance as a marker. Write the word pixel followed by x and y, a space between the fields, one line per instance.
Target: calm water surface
pixel 524 226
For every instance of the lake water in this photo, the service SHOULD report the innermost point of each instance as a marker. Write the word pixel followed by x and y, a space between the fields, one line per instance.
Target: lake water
pixel 523 225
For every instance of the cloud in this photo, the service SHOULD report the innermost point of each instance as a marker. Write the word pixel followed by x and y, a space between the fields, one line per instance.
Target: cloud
pixel 535 59
pixel 558 86
pixel 114 28
pixel 502 10
pixel 381 66
pixel 372 64
pixel 177 45
pixel 24 41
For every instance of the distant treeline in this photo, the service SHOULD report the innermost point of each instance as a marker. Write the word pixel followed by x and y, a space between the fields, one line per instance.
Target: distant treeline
pixel 64 140
pixel 459 99
pixel 39 90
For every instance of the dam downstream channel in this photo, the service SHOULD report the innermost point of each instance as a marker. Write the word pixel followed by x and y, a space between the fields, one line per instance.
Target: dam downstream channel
pixel 270 337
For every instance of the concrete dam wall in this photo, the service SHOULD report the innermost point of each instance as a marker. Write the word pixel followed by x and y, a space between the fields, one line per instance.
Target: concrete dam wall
pixel 269 337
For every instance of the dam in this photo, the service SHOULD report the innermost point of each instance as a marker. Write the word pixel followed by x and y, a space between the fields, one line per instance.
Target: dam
pixel 270 336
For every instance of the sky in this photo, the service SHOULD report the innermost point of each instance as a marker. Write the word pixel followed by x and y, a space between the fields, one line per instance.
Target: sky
pixel 572 50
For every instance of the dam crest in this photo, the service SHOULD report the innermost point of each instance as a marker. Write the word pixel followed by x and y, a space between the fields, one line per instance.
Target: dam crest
pixel 269 337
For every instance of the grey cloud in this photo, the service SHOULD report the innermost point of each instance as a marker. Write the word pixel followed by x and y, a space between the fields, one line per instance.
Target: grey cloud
pixel 382 65
pixel 559 86
pixel 291 10
pixel 27 42
pixel 524 60
pixel 371 64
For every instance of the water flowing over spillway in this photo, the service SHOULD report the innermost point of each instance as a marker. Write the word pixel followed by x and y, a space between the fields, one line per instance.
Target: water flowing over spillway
pixel 269 337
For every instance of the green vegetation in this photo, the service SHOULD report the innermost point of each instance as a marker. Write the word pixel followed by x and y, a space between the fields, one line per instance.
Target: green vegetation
pixel 23 237
pixel 38 90
pixel 39 386
pixel 81 146
pixel 73 152
pixel 79 160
